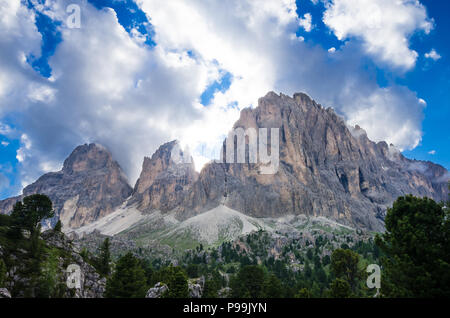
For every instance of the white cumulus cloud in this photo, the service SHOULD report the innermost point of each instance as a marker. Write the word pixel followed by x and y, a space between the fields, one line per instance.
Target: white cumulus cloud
pixel 384 26
pixel 108 87
pixel 306 22
pixel 433 55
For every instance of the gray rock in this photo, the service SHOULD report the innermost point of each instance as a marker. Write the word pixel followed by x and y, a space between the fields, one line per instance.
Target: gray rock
pixel 157 291
pixel 4 293
pixel 195 290
pixel 224 292
pixel 326 169
pixel 164 179
pixel 91 284
pixel 89 186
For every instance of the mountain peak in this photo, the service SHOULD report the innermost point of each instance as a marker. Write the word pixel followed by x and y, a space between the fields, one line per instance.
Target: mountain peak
pixel 90 185
pixel 164 178
pixel 87 157
pixel 325 169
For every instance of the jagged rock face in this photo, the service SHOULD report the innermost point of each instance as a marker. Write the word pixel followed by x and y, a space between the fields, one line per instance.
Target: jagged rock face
pixel 165 179
pixel 325 169
pixel 92 285
pixel 89 186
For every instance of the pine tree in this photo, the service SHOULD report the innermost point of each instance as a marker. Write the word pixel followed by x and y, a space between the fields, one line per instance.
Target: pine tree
pixel 58 226
pixel 340 288
pixel 178 286
pixel 344 264
pixel 248 282
pixel 105 258
pixel 31 211
pixel 2 273
pixel 417 248
pixel 273 287
pixel 303 293
pixel 128 279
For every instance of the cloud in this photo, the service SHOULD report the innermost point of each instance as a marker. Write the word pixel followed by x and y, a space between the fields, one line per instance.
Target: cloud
pixel 331 50
pixel 4 182
pixel 384 27
pixel 432 152
pixel 108 86
pixel 433 55
pixel 306 22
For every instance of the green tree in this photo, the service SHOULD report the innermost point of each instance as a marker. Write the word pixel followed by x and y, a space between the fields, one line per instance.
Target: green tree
pixel 249 282
pixel 58 226
pixel 50 283
pixel 303 293
pixel 211 288
pixel 128 279
pixel 417 248
pixel 340 288
pixel 178 285
pixel 2 273
pixel 29 213
pixel 273 287
pixel 344 264
pixel 192 270
pixel 105 258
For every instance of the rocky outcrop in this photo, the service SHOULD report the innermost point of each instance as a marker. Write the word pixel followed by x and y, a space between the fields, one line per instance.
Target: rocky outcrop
pixel 4 293
pixel 195 290
pixel 65 255
pixel 157 291
pixel 325 169
pixel 89 186
pixel 91 284
pixel 196 287
pixel 165 179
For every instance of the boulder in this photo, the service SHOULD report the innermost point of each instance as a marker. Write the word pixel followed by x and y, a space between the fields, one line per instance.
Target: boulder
pixel 4 293
pixel 157 291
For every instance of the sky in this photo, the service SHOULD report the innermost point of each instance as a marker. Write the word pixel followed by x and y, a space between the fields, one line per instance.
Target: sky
pixel 131 75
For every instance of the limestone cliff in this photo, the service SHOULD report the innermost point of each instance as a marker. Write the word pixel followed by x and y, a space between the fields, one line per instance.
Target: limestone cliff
pixel 325 169
pixel 89 186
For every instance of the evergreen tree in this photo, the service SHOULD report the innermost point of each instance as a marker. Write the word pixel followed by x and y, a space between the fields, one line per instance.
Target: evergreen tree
pixel 340 288
pixel 29 213
pixel 128 279
pixel 50 283
pixel 249 282
pixel 211 288
pixel 273 287
pixel 2 273
pixel 417 248
pixel 104 259
pixel 303 293
pixel 344 264
pixel 178 286
pixel 58 226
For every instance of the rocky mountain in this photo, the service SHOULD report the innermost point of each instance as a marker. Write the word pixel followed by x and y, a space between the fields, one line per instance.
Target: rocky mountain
pixel 164 180
pixel 325 169
pixel 89 186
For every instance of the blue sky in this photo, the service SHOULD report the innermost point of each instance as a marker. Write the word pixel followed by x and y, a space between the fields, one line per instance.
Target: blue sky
pixel 144 60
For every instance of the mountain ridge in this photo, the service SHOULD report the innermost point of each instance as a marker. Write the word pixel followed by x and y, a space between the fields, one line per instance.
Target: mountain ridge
pixel 89 186
pixel 326 168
